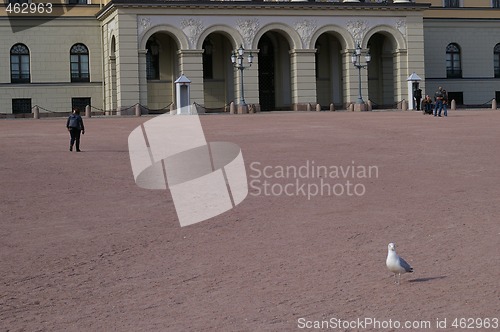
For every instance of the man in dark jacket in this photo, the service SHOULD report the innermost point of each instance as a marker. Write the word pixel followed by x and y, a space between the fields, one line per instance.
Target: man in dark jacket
pixel 438 97
pixel 75 127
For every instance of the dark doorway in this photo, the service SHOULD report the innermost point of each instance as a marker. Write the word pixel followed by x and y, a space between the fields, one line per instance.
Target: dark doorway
pixel 266 74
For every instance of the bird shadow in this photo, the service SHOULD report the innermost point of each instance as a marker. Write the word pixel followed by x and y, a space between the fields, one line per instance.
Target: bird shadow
pixel 427 279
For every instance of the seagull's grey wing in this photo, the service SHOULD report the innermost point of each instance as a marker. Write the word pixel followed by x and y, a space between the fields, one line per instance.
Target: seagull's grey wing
pixel 405 265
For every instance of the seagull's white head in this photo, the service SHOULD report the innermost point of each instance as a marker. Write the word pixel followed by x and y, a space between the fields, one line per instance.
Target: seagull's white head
pixel 391 247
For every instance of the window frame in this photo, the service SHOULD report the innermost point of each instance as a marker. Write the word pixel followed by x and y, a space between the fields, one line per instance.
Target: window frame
pixel 496 60
pixel 80 74
pixel 22 59
pixel 452 58
pixel 152 62
pixel 447 3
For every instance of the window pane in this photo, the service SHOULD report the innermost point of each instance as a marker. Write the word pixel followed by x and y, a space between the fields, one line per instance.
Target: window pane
pixel 84 69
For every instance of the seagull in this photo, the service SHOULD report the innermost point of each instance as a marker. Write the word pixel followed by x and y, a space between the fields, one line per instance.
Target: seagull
pixel 396 264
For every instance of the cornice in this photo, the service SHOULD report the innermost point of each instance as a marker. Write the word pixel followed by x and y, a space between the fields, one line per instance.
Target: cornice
pixel 255 5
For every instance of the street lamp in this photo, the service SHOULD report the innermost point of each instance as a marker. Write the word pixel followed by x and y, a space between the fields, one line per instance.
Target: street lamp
pixel 356 61
pixel 237 57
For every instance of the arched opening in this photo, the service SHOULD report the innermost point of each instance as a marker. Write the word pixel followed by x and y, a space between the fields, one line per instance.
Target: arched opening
pixel 218 75
pixel 161 70
pixel 112 67
pixel 381 73
pixel 274 72
pixel 329 70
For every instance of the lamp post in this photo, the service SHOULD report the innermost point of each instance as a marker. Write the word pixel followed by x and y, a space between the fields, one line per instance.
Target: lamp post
pixel 237 59
pixel 356 61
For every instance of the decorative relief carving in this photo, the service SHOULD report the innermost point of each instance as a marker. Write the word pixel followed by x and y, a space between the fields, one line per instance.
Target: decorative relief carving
pixel 192 28
pixel 144 24
pixel 248 29
pixel 357 29
pixel 305 29
pixel 401 26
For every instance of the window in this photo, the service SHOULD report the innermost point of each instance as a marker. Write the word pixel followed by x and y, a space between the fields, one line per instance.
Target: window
pixel 77 2
pixel 80 103
pixel 79 62
pixel 208 71
pixel 452 3
pixel 19 1
pixel 152 60
pixel 496 55
pixel 495 3
pixel 19 64
pixel 21 105
pixel 458 97
pixel 453 63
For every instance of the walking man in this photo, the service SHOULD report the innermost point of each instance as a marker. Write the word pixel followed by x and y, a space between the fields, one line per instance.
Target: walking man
pixel 75 127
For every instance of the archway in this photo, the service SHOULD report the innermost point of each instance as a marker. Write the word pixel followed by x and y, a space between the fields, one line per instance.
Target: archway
pixel 114 102
pixel 274 72
pixel 161 70
pixel 218 72
pixel 329 84
pixel 381 71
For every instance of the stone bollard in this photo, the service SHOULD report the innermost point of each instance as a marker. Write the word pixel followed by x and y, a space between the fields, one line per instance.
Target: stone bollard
pixel 332 107
pixel 88 111
pixel 369 106
pixel 404 105
pixel 318 108
pixel 308 107
pixel 453 105
pixel 350 108
pixel 137 110
pixel 173 111
pixel 118 111
pixel 231 108
pixel 36 112
pixel 494 104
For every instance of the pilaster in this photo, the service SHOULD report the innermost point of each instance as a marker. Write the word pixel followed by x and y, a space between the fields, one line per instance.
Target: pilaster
pixel 303 75
pixel 191 65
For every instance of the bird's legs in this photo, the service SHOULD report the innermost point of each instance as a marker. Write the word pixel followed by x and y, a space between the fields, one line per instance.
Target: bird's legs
pixel 396 279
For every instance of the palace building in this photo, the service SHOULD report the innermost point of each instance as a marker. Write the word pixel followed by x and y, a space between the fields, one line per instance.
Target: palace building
pixel 115 54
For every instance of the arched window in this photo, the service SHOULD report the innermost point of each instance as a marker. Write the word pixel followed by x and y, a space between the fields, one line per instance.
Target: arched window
pixel 153 60
pixel 79 61
pixel 20 64
pixel 453 62
pixel 496 55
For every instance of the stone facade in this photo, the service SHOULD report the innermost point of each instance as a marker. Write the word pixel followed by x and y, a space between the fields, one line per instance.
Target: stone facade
pixel 302 53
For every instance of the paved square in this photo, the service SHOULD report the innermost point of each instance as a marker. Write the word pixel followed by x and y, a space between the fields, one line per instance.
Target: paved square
pixel 82 248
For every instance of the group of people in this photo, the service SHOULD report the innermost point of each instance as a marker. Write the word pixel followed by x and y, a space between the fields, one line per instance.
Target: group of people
pixel 436 107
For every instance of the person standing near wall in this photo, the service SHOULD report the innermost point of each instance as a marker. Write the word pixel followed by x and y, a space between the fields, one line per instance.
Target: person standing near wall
pixel 445 102
pixel 417 94
pixel 75 127
pixel 438 97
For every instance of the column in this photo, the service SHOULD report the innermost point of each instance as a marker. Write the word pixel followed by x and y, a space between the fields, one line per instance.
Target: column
pixel 143 82
pixel 127 63
pixel 191 65
pixel 303 63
